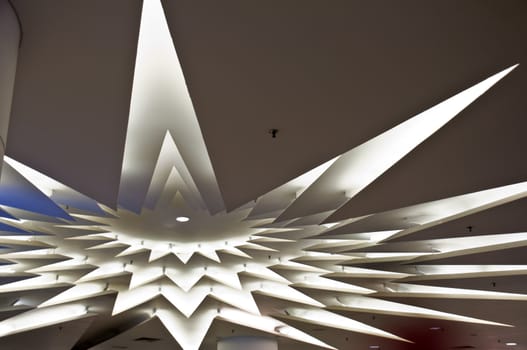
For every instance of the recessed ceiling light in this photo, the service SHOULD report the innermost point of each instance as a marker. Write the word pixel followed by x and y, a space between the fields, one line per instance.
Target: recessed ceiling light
pixel 511 344
pixel 182 219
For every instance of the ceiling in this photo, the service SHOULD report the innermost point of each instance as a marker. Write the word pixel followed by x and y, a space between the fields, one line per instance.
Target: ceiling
pixel 328 77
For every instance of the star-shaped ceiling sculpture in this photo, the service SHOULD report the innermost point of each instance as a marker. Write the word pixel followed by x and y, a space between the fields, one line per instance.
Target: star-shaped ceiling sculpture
pixel 171 250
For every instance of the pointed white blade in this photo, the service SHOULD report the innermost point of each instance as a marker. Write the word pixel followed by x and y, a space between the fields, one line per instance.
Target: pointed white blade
pixel 38 318
pixel 210 254
pixel 224 276
pixel 186 302
pixel 131 250
pixel 78 292
pixel 330 319
pixel 281 197
pixel 356 169
pixel 107 270
pixel 128 299
pixel 186 279
pixel 314 281
pixel 281 291
pixel 234 251
pixel 156 254
pixel 240 299
pixel 170 167
pixel 188 332
pixel 379 306
pixel 420 216
pixel 184 256
pixel 421 291
pixel 160 102
pixel 142 275
pixel 268 325
pixel 431 272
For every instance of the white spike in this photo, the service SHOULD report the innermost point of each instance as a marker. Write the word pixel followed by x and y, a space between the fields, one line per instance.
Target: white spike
pixel 188 332
pixel 268 325
pixel 422 291
pixel 184 256
pixel 223 276
pixel 78 293
pixel 282 291
pixel 105 271
pixel 379 306
pixel 187 302
pixel 330 319
pixel 371 159
pixel 128 299
pixel 210 254
pixel 142 275
pixel 240 299
pixel 160 102
pixel 38 318
pixel 156 254
pixel 185 279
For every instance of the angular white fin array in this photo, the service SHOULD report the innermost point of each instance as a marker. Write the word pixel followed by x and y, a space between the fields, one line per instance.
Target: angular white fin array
pixel 172 252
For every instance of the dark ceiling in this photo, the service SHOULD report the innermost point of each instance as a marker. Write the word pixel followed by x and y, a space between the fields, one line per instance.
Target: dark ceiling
pixel 328 75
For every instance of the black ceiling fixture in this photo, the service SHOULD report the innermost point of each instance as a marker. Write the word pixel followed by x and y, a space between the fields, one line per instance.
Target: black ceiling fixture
pixel 147 339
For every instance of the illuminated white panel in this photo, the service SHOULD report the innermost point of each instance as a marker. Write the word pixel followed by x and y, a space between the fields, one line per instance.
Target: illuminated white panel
pixel 449 247
pixel 160 102
pixel 224 276
pixel 281 197
pixel 281 291
pixel 43 317
pixel 431 272
pixel 240 299
pixel 416 290
pixel 268 325
pixel 187 302
pixel 43 281
pixel 261 271
pixel 330 319
pixel 185 278
pixel 424 215
pixel 188 334
pixel 171 168
pixel 78 292
pixel 52 188
pixel 145 274
pixel 321 283
pixel 346 271
pixel 128 299
pixel 108 270
pixel 371 159
pixel 379 306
